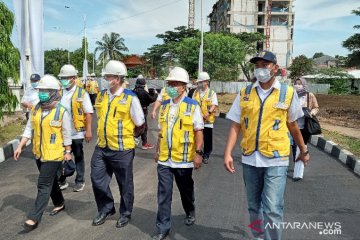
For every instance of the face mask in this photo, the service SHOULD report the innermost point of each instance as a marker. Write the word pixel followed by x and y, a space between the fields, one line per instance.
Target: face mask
pixel 172 92
pixel 299 87
pixel 44 96
pixel 34 84
pixel 65 83
pixel 200 85
pixel 262 74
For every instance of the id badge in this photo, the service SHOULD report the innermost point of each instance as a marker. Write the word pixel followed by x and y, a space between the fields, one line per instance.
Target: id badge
pixel 281 105
pixel 54 123
pixel 79 99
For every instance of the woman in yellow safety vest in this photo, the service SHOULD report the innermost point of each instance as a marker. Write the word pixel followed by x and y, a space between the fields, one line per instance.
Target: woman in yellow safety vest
pixel 49 127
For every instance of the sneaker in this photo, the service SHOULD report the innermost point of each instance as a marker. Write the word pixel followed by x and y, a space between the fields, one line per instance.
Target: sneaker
pixel 137 141
pixel 79 187
pixel 63 185
pixel 189 219
pixel 147 146
pixel 205 160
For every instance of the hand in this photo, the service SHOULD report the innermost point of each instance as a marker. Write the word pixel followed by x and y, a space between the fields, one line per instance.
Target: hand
pixel 229 163
pixel 197 161
pixel 88 136
pixel 156 157
pixel 206 116
pixel 17 153
pixel 67 156
pixel 153 114
pixel 303 157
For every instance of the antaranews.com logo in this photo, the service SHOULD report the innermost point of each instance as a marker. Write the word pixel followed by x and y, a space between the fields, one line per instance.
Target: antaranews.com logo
pixel 324 228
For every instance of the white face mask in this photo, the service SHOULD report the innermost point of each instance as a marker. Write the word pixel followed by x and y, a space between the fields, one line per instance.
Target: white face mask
pixel 262 74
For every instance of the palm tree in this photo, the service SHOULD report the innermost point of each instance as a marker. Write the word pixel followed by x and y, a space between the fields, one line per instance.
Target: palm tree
pixel 111 47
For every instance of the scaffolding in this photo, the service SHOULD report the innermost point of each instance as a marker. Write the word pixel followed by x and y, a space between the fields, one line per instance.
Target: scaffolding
pixel 191 19
pixel 268 24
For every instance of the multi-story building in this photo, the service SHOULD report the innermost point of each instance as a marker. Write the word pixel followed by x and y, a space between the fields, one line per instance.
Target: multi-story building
pixel 273 18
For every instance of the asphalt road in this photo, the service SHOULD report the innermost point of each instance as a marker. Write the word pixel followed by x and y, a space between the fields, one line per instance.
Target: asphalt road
pixel 328 193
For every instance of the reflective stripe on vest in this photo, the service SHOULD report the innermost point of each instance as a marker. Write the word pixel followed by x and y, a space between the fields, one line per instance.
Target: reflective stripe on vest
pixel 263 124
pixel 115 126
pixel 48 142
pixel 205 104
pixel 77 110
pixel 177 142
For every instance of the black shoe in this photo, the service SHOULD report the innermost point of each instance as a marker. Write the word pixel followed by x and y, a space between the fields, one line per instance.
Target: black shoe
pixel 122 222
pixel 160 236
pixel 101 217
pixel 205 160
pixel 189 219
pixel 28 227
pixel 54 212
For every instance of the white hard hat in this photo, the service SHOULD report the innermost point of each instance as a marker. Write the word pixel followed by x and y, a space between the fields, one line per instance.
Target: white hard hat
pixel 203 76
pixel 114 67
pixel 178 74
pixel 93 75
pixel 68 70
pixel 48 82
pixel 140 76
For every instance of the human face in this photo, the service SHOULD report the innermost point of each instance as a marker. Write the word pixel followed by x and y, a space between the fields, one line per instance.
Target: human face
pixel 265 70
pixel 173 86
pixel 112 81
pixel 67 82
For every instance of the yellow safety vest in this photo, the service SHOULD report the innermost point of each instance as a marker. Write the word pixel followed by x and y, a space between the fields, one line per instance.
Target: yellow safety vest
pixel 92 87
pixel 205 104
pixel 77 110
pixel 78 82
pixel 164 95
pixel 47 140
pixel 263 124
pixel 115 126
pixel 182 136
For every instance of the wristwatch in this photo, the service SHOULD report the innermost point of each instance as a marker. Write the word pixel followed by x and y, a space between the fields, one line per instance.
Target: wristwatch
pixel 67 151
pixel 199 152
pixel 306 152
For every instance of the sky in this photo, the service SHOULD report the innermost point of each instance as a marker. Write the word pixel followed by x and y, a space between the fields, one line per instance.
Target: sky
pixel 320 25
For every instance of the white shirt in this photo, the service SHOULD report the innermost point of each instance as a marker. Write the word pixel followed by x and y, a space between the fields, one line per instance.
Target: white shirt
pixel 136 112
pixel 294 112
pixel 159 97
pixel 30 96
pixel 66 128
pixel 198 124
pixel 214 102
pixel 301 120
pixel 86 104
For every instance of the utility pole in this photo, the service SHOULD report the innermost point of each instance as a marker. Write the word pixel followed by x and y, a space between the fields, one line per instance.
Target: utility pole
pixel 27 43
pixel 191 19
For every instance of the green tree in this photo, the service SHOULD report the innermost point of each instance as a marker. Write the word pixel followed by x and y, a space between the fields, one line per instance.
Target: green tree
pixel 111 47
pixel 9 60
pixel 337 78
pixel 300 67
pixel 222 55
pixel 162 56
pixel 318 54
pixel 54 59
pixel 353 45
pixel 251 41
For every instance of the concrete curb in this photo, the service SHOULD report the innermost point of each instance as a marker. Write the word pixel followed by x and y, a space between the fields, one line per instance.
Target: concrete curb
pixel 7 151
pixel 333 149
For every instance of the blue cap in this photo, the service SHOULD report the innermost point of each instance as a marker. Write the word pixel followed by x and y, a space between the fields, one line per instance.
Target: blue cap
pixel 35 77
pixel 264 55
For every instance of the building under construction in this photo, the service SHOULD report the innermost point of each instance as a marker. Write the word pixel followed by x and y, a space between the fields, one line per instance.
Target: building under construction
pixel 273 18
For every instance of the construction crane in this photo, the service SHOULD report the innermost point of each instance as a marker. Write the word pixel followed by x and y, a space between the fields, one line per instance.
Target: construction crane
pixel 191 19
pixel 268 24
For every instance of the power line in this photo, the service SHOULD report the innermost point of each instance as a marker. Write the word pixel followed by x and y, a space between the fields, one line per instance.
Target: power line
pixel 137 14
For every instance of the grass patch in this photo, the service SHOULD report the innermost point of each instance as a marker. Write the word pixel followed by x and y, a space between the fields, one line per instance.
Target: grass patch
pixel 10 131
pixel 225 101
pixel 349 143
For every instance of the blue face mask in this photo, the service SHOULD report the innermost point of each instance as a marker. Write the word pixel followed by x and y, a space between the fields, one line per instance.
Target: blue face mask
pixel 65 83
pixel 34 84
pixel 172 92
pixel 44 97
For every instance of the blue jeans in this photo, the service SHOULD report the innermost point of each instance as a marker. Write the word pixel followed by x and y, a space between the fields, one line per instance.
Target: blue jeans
pixel 265 188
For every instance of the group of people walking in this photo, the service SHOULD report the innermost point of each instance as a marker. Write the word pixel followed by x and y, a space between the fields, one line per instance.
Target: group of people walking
pixel 264 114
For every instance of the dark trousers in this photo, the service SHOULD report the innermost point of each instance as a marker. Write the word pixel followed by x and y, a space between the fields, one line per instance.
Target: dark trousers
pixel 144 135
pixel 208 141
pixel 92 98
pixel 306 136
pixel 77 150
pixel 47 187
pixel 185 184
pixel 104 163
